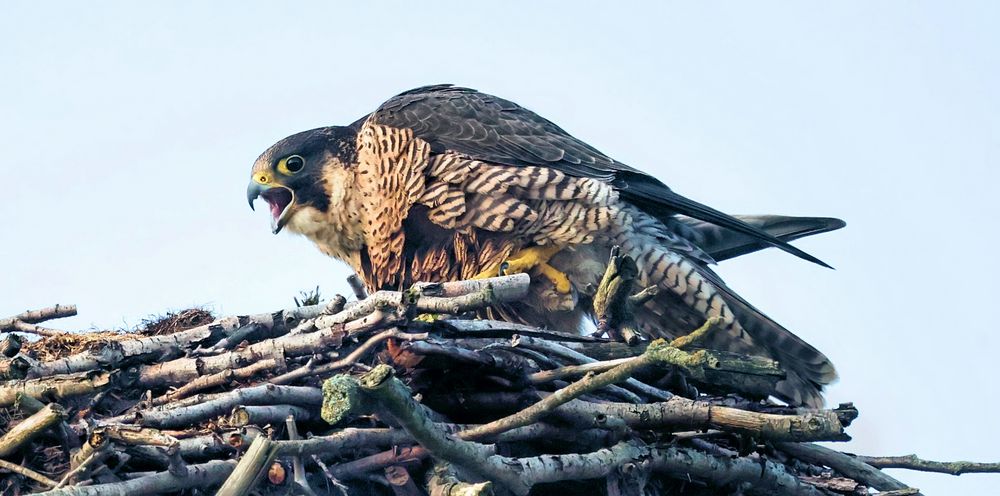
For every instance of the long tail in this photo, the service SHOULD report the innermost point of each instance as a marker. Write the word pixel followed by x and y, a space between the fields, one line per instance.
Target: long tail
pixel 693 293
pixel 722 243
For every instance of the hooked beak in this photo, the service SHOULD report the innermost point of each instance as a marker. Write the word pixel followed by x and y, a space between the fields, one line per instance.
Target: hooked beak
pixel 278 198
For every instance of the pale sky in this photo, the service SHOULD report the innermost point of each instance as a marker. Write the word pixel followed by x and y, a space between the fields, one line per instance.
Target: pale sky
pixel 128 130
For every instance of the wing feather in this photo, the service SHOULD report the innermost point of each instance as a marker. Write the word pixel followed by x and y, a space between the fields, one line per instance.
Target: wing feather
pixel 494 130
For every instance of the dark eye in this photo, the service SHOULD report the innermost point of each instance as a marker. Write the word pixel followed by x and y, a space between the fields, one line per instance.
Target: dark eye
pixel 294 163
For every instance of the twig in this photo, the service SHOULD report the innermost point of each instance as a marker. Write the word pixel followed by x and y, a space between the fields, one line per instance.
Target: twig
pixel 574 370
pixel 559 349
pixel 215 380
pixel 350 359
pixel 657 353
pixel 87 462
pixel 298 468
pixel 453 297
pixel 27 472
pixel 169 346
pixel 912 462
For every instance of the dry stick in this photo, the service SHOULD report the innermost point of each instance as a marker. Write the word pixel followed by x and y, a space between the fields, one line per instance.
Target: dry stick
pixel 215 380
pixel 203 475
pixel 912 462
pixel 364 316
pixel 223 404
pixel 268 414
pixel 25 322
pixel 570 354
pixel 484 328
pixel 91 459
pixel 113 354
pixel 657 353
pixel 35 329
pixel 350 359
pixel 444 481
pixel 910 491
pixel 251 468
pixel 36 316
pixel 520 474
pixel 298 469
pixel 574 371
pixel 27 472
pixel 843 463
pixel 763 477
pixel 144 439
pixel 682 413
pixel 30 427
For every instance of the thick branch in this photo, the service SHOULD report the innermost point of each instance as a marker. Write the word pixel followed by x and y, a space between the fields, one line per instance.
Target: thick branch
pixel 843 463
pixel 250 469
pixel 32 426
pixel 204 475
pixel 257 395
pixel 680 413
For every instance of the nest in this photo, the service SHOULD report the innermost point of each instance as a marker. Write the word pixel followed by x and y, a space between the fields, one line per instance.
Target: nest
pixel 403 393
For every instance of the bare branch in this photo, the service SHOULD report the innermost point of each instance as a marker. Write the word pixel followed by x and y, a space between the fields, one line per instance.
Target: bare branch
pixel 912 462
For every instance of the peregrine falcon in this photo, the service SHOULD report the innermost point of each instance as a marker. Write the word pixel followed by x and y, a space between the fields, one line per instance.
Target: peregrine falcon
pixel 446 183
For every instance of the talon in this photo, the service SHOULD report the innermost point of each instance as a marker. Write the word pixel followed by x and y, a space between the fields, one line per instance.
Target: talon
pixel 535 257
pixel 559 280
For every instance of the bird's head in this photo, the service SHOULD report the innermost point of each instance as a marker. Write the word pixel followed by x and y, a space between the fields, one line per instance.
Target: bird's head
pixel 295 173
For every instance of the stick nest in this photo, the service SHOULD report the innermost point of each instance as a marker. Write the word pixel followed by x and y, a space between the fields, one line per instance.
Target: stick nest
pixel 406 393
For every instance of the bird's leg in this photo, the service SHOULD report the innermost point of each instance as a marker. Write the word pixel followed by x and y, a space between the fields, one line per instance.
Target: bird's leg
pixel 535 257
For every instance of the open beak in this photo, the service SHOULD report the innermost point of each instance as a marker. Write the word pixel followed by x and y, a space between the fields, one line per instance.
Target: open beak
pixel 279 199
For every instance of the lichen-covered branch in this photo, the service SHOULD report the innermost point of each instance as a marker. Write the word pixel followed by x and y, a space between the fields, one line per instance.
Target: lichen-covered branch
pixel 680 413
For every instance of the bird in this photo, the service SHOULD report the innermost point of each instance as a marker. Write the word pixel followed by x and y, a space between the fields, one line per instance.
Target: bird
pixel 445 183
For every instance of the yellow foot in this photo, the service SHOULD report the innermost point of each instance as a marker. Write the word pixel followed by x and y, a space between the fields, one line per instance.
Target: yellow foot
pixel 536 257
pixel 429 318
pixel 559 280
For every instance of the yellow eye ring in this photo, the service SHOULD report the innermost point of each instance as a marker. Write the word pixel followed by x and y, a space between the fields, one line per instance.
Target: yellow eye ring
pixel 291 164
